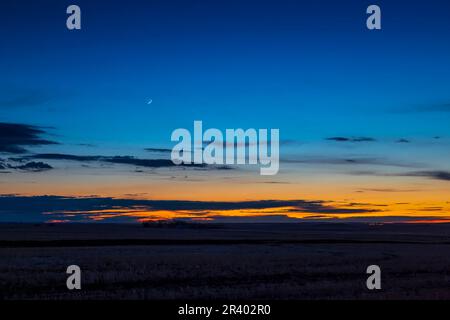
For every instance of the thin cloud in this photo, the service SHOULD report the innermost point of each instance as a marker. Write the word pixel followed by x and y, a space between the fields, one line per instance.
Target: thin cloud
pixel 158 150
pixel 22 165
pixel 33 167
pixel 432 174
pixel 351 139
pixel 351 161
pixel 129 160
pixel 388 190
pixel 124 160
pixel 436 175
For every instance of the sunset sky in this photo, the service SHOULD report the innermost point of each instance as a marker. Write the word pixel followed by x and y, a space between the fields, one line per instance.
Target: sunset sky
pixel 86 115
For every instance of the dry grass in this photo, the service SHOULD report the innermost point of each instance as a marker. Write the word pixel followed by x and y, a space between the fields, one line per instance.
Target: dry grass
pixel 227 272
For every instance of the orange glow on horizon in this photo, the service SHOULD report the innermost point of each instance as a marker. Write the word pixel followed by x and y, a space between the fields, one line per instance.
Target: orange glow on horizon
pixel 143 214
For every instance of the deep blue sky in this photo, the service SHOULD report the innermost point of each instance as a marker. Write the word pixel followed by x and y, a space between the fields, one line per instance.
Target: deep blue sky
pixel 310 68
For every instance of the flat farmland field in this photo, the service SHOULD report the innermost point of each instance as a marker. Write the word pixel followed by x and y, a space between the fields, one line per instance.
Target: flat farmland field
pixel 230 261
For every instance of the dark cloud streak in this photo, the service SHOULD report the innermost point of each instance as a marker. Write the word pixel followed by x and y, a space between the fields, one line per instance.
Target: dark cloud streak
pixel 158 150
pixel 125 160
pixel 351 139
pixel 15 137
pixel 23 208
